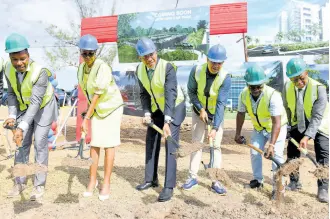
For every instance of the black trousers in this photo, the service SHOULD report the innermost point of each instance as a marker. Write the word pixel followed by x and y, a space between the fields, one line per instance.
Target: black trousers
pixel 321 147
pixel 153 148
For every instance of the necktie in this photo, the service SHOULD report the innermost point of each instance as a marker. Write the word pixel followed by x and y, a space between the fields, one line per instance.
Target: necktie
pixel 150 74
pixel 300 111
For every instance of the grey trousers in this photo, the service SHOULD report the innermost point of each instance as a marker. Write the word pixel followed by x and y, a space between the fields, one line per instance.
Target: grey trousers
pixel 40 134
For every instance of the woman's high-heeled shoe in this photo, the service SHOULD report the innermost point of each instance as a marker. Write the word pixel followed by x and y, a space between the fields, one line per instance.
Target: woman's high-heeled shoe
pixel 89 194
pixel 103 197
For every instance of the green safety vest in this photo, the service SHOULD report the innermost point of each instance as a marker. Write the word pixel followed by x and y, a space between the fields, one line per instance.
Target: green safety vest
pixel 200 77
pixel 109 101
pixel 262 119
pixel 155 87
pixel 23 96
pixel 311 95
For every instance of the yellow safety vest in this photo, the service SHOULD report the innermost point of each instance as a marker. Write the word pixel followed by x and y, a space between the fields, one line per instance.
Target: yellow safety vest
pixel 108 101
pixel 311 95
pixel 23 96
pixel 200 77
pixel 155 87
pixel 262 119
pixel 1 64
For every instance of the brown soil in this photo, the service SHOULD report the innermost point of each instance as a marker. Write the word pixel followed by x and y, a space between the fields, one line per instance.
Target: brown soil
pixel 27 169
pixel 76 162
pixel 65 185
pixel 221 175
pixel 186 149
pixel 321 172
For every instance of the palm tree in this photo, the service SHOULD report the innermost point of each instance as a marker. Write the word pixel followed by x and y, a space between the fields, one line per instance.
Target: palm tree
pixel 257 41
pixel 248 39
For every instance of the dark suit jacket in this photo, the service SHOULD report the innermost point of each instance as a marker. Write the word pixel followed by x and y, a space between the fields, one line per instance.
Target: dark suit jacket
pixel 176 113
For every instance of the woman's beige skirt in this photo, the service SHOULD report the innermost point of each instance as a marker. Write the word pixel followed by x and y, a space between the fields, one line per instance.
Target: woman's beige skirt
pixel 106 132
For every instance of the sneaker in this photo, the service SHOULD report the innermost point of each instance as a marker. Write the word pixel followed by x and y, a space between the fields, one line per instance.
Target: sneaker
pixel 218 188
pixel 16 190
pixel 294 186
pixel 322 195
pixel 37 192
pixel 190 183
pixel 255 184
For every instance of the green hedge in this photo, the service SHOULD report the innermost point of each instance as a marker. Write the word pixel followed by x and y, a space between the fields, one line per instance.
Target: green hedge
pixel 301 46
pixel 178 55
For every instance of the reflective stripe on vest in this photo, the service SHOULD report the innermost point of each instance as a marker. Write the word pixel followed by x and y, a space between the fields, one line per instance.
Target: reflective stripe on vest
pixel 311 95
pixel 262 119
pixel 155 88
pixel 110 100
pixel 200 77
pixel 29 80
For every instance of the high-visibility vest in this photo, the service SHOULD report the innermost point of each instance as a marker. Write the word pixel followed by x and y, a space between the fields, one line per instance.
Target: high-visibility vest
pixel 23 96
pixel 108 101
pixel 262 119
pixel 311 95
pixel 155 87
pixel 2 63
pixel 200 77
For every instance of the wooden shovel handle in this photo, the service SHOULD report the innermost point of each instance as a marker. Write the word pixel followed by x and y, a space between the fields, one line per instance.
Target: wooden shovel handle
pixel 303 150
pixel 255 148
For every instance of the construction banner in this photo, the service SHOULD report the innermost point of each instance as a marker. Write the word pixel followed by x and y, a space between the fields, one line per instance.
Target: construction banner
pixel 179 34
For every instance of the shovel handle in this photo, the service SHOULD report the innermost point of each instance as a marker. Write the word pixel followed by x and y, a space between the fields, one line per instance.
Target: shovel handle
pixel 304 151
pixel 169 138
pixel 278 164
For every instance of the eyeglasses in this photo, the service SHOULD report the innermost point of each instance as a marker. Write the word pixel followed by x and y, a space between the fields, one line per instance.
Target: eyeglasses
pixel 148 55
pixel 256 87
pixel 216 63
pixel 296 79
pixel 89 54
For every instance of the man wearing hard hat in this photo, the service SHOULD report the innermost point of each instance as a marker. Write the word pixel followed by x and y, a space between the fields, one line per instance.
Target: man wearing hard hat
pixel 163 104
pixel 32 105
pixel 208 89
pixel 306 104
pixel 265 107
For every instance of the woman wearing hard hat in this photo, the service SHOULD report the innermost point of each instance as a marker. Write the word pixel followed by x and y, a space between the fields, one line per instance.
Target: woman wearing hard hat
pixel 105 112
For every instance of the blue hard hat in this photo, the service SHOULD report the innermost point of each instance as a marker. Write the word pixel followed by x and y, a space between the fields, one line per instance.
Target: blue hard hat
pixel 217 53
pixel 145 46
pixel 88 42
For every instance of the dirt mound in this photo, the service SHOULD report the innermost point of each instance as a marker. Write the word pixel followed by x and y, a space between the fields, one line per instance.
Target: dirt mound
pixel 27 169
pixel 219 174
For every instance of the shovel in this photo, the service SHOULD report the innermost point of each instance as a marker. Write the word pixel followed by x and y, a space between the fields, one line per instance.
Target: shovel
pixel 78 160
pixel 24 169
pixel 8 146
pixel 184 149
pixel 215 174
pixel 277 163
pixel 321 172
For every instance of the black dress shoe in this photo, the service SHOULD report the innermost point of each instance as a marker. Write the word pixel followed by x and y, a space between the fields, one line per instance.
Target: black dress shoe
pixel 165 195
pixel 147 185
